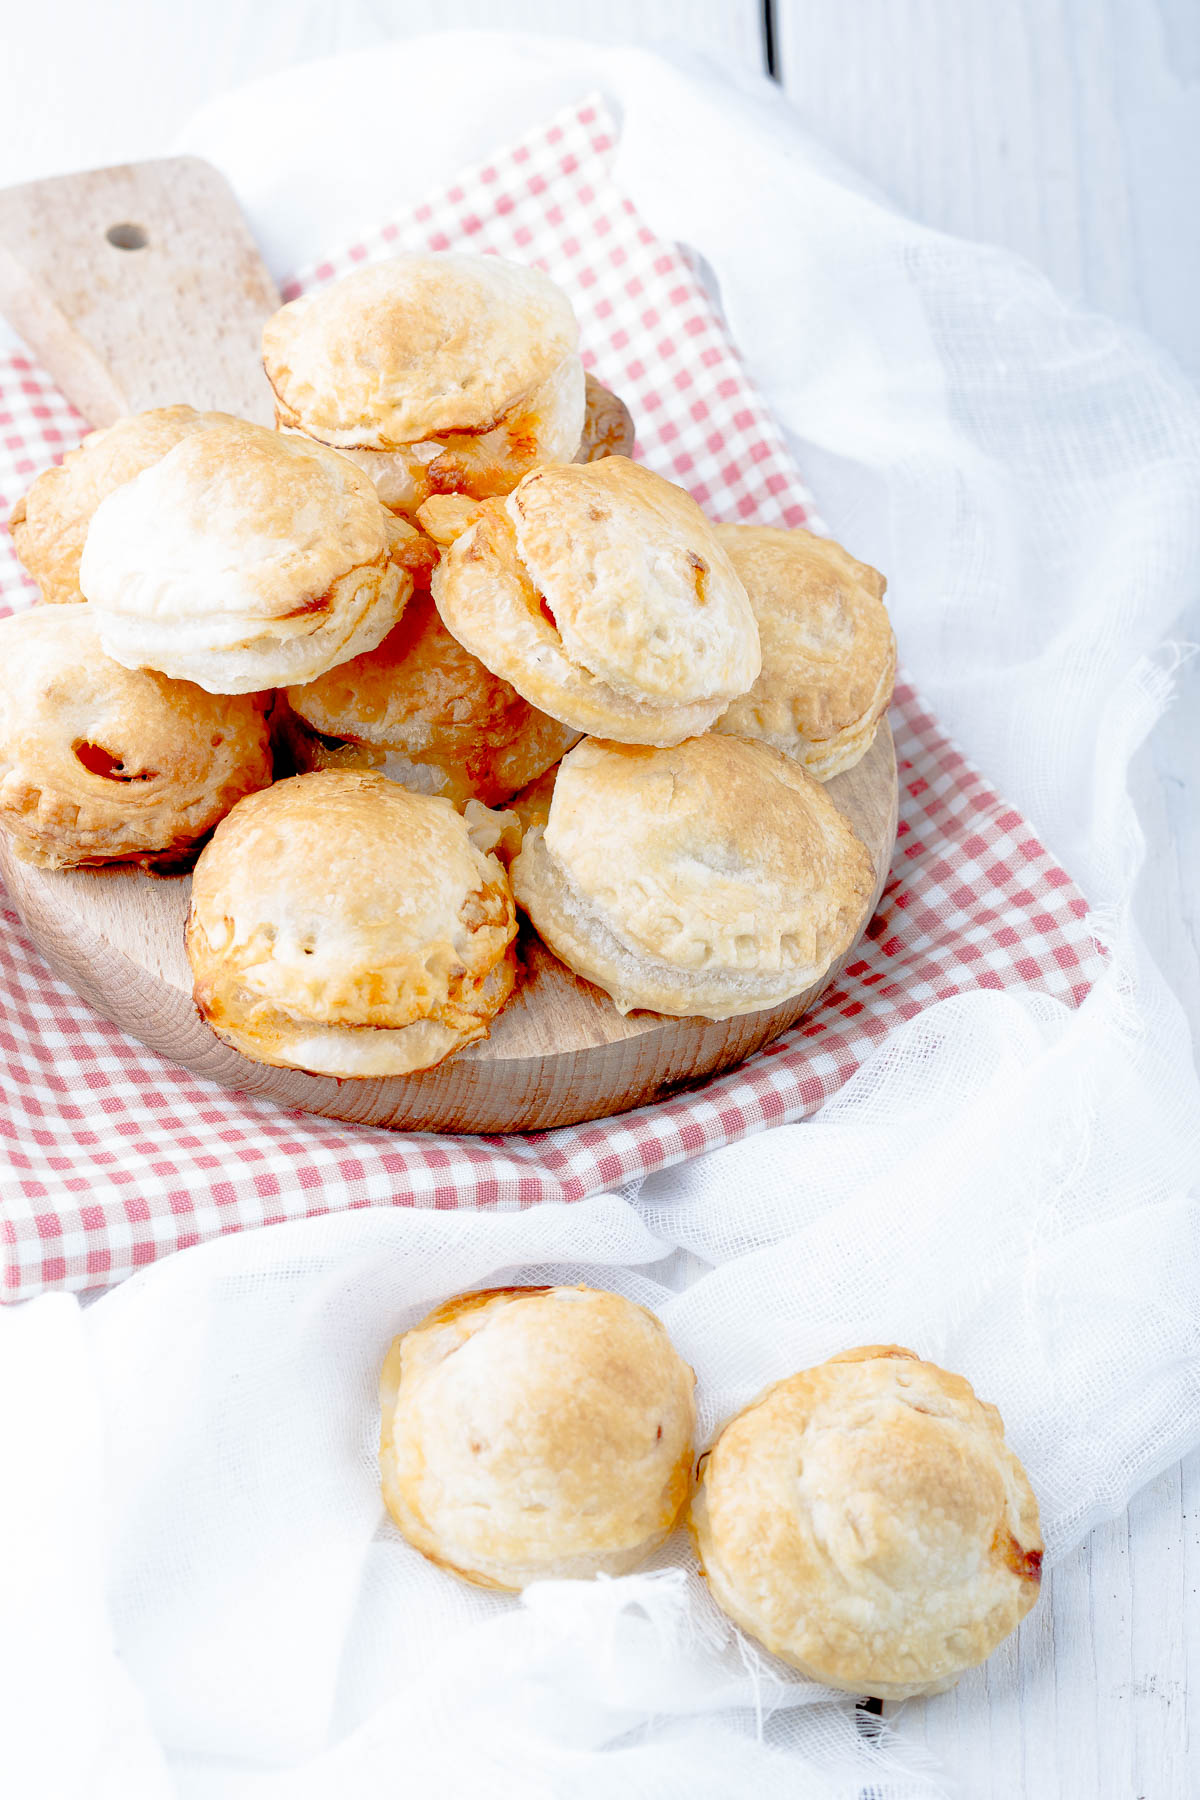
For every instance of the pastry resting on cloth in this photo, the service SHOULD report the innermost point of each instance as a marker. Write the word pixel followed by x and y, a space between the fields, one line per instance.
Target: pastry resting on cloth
pixel 534 1434
pixel 866 1521
pixel 424 711
pixel 601 592
pixel 343 925
pixel 436 373
pixel 103 764
pixel 714 878
pixel 244 560
pixel 49 525
pixel 828 654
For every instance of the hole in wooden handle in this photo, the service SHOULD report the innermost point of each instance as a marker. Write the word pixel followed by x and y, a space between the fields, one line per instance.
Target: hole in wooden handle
pixel 127 237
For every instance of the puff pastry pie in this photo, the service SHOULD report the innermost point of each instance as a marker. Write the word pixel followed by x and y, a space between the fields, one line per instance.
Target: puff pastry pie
pixel 714 878
pixel 244 560
pixel 50 524
pixel 828 654
pixel 534 1433
pixel 866 1521
pixel 343 925
pixel 601 593
pixel 103 764
pixel 425 712
pixel 436 373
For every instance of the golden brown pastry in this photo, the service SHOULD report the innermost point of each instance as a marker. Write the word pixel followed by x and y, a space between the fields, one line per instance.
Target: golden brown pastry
pixel 828 654
pixel 341 924
pixel 607 424
pixel 714 878
pixel 866 1521
pixel 102 764
pixel 532 805
pixel 244 560
pixel 601 593
pixel 425 712
pixel 536 1433
pixel 436 373
pixel 50 524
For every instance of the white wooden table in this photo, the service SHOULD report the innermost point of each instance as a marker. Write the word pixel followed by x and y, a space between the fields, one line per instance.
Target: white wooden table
pixel 1068 130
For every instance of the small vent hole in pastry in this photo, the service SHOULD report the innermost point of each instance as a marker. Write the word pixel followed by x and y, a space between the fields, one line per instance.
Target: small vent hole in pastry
pixel 217 740
pixel 99 761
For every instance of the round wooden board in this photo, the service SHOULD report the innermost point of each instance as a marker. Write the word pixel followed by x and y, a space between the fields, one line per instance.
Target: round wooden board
pixel 559 1052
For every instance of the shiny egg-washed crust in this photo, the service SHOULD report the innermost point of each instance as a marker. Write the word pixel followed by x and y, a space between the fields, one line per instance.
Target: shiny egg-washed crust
pixel 244 560
pixel 714 878
pixel 50 524
pixel 828 653
pixel 607 424
pixel 420 696
pixel 866 1521
pixel 601 593
pixel 343 925
pixel 536 1434
pixel 102 764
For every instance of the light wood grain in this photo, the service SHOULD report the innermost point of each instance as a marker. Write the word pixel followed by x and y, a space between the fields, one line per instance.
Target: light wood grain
pixel 559 1052
pixel 82 85
pixel 138 286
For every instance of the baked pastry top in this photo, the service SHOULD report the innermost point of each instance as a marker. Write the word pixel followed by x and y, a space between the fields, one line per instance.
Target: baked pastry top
pixel 425 712
pixel 438 373
pixel 828 653
pixel 534 1433
pixel 601 593
pixel 243 560
pixel 714 878
pixel 866 1521
pixel 341 924
pixel 103 764
pixel 50 524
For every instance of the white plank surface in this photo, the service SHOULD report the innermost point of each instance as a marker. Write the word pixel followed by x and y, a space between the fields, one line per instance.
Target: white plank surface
pixel 83 85
pixel 1069 131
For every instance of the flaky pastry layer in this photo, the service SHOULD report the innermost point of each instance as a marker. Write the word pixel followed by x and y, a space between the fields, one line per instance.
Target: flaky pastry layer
pixel 828 653
pixel 99 764
pixel 446 722
pixel 714 878
pixel 866 1521
pixel 49 525
pixel 342 924
pixel 244 560
pixel 417 347
pixel 536 1433
pixel 601 594
pixel 542 427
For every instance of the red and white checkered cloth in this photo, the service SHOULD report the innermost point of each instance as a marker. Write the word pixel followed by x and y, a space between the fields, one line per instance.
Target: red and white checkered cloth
pixel 111 1157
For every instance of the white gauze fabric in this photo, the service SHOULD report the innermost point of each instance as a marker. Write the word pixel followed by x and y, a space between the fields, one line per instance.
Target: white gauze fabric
pixel 1003 1186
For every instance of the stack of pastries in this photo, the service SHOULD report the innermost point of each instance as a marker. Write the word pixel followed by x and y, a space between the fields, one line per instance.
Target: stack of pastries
pixel 434 648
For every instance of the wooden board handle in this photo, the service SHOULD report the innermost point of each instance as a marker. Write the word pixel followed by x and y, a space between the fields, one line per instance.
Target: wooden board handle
pixel 138 286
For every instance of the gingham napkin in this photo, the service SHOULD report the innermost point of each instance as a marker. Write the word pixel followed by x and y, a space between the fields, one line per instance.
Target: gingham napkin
pixel 112 1157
